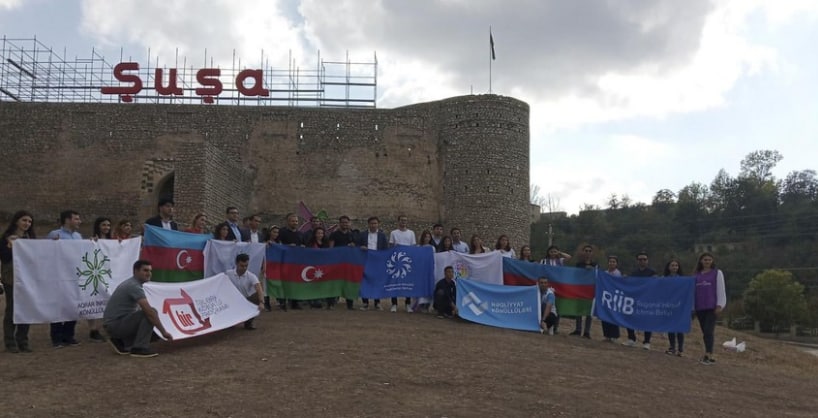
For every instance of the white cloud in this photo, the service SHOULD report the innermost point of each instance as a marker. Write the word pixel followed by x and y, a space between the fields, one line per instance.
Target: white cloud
pixel 10 4
pixel 218 26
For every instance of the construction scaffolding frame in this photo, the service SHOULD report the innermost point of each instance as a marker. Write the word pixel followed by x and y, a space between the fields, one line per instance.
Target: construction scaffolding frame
pixel 33 72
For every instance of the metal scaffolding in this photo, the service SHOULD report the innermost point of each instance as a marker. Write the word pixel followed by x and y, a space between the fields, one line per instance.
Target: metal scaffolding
pixel 33 72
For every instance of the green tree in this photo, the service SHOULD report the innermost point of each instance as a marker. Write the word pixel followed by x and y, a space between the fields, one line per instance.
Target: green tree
pixel 758 165
pixel 775 299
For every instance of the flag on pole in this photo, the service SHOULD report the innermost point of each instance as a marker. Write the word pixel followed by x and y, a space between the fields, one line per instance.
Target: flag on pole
pixel 176 256
pixel 491 42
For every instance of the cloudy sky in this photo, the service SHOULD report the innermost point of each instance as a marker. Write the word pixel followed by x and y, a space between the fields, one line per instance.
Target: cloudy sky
pixel 626 96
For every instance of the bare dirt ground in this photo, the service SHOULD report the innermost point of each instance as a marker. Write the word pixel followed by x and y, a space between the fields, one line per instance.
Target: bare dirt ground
pixel 318 363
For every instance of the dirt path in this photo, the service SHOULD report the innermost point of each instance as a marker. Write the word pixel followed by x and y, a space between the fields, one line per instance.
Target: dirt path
pixel 350 363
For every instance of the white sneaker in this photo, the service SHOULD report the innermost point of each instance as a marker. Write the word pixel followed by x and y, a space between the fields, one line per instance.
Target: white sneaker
pixel 550 331
pixel 394 308
pixel 409 309
pixel 364 308
pixel 646 346
pixel 629 343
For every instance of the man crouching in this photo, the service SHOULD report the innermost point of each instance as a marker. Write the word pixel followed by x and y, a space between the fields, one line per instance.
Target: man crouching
pixel 247 284
pixel 129 319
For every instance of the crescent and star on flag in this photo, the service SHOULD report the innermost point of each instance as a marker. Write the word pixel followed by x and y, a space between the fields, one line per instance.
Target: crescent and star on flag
pixel 316 275
pixel 183 256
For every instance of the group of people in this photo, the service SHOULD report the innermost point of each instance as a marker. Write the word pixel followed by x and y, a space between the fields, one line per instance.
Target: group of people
pixel 710 298
pixel 128 319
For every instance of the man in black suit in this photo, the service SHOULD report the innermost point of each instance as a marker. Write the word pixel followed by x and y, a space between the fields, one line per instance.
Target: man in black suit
pixel 372 239
pixel 235 232
pixel 165 217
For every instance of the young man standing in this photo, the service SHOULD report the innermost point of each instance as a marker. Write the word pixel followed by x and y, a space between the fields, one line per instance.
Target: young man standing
pixel 587 262
pixel 437 235
pixel 62 333
pixel 402 236
pixel 165 217
pixel 642 270
pixel 343 237
pixel 290 235
pixel 457 244
pixel 235 232
pixel 372 239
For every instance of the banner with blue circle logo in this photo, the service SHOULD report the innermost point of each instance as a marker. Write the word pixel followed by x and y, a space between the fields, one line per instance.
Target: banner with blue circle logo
pixel 401 271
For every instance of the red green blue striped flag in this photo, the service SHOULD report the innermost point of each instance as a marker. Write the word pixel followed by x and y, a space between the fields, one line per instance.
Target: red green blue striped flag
pixel 308 273
pixel 573 287
pixel 175 256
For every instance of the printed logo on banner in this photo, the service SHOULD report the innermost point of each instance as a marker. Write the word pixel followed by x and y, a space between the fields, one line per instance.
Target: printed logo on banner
pixel 461 270
pixel 474 303
pixel 618 302
pixel 95 272
pixel 184 315
pixel 399 265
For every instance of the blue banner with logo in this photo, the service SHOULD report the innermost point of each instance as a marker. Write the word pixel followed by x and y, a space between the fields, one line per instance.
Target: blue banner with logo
pixel 401 271
pixel 658 304
pixel 514 307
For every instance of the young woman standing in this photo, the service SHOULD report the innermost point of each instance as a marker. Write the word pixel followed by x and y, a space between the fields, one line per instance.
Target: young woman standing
pixel 15 336
pixel 710 299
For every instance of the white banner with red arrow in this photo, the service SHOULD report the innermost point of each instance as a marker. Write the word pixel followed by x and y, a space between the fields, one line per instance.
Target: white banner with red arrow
pixel 199 307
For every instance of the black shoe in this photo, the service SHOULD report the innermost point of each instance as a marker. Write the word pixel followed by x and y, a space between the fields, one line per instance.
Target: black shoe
pixel 96 336
pixel 72 342
pixel 118 346
pixel 588 336
pixel 295 307
pixel 143 352
pixel 282 308
pixel 575 333
pixel 249 325
pixel 24 348
pixel 12 349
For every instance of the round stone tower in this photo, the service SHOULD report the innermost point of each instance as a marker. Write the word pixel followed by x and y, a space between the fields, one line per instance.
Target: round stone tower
pixel 484 148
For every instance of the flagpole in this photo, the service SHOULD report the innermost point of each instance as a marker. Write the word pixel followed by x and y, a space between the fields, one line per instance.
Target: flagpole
pixel 491 48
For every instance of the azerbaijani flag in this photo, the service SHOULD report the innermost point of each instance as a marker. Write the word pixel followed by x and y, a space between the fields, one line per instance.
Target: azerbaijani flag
pixel 176 256
pixel 307 273
pixel 574 287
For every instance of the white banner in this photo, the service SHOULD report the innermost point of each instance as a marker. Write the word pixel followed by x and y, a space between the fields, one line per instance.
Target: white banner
pixel 199 307
pixel 220 256
pixel 486 268
pixel 66 280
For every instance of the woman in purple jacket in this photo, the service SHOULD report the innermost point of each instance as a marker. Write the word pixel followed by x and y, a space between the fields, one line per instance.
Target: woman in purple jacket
pixel 710 299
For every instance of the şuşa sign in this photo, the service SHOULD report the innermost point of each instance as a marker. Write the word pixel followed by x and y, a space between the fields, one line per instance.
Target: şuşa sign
pixel 208 79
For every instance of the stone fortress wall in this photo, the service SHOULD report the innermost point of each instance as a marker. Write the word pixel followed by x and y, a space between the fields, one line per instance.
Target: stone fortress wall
pixel 462 161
